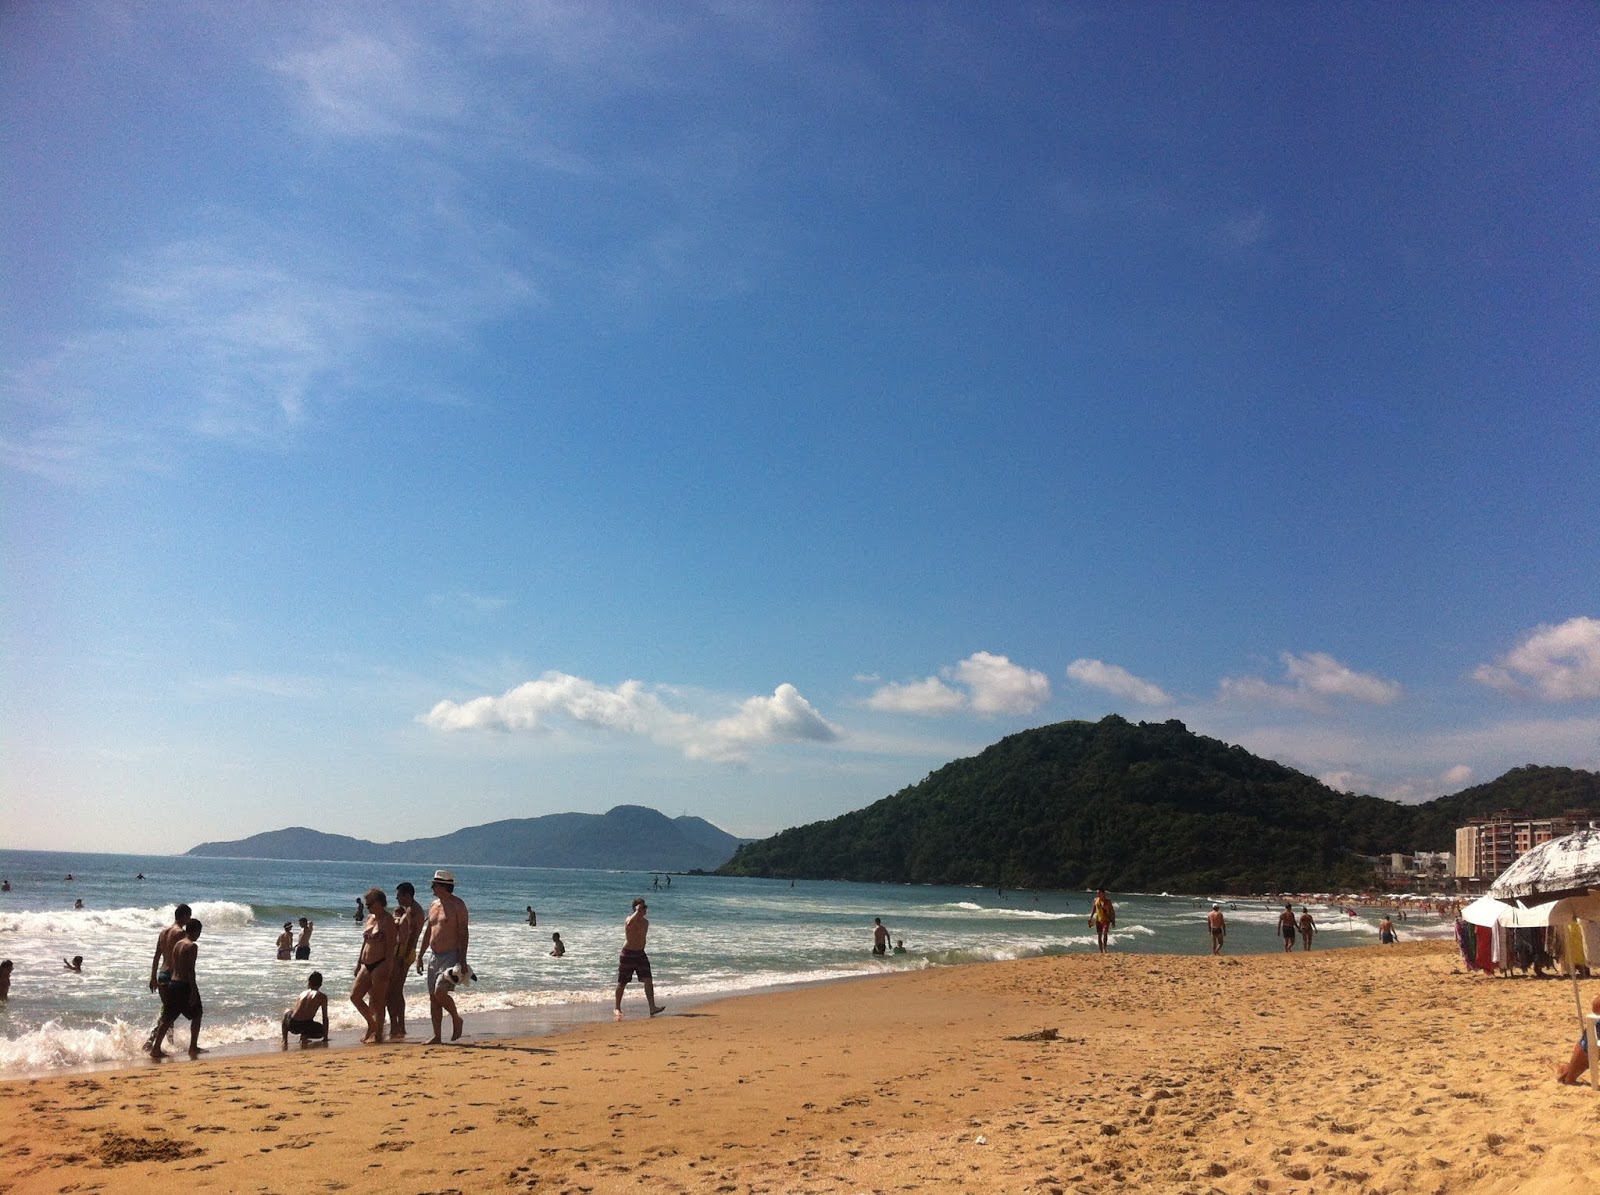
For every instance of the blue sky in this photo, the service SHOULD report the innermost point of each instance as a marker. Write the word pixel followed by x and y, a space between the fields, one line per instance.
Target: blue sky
pixel 413 415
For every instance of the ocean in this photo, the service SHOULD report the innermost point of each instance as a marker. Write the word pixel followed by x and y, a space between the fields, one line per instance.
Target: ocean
pixel 709 937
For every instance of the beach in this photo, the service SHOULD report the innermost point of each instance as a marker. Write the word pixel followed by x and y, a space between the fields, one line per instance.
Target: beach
pixel 1363 1070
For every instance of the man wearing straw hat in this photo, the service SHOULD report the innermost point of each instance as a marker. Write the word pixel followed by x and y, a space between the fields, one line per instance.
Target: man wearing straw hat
pixel 446 935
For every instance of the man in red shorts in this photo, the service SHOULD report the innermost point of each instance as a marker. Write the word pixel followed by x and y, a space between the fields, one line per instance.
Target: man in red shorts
pixel 634 961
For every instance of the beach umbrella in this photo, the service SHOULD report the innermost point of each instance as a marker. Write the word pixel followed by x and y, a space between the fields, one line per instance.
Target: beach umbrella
pixel 1488 911
pixel 1566 870
pixel 1567 866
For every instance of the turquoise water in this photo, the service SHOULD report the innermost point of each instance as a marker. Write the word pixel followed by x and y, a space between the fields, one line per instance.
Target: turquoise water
pixel 709 937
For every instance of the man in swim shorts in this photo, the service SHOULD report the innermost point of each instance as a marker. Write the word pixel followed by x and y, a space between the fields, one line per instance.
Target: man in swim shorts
pixel 181 997
pixel 301 1017
pixel 634 961
pixel 161 960
pixel 445 934
pixel 408 917
pixel 1287 927
pixel 880 936
pixel 1218 928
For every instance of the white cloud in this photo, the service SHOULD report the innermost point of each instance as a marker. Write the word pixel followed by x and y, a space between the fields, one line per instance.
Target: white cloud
pixel 1117 681
pixel 633 709
pixel 1000 687
pixel 985 683
pixel 1312 677
pixel 929 697
pixel 1457 776
pixel 1560 663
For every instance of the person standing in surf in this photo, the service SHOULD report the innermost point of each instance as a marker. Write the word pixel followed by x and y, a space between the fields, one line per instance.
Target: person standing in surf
pixel 446 935
pixel 408 915
pixel 370 992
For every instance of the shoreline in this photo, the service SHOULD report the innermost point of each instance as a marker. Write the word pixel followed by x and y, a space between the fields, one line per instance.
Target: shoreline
pixel 1378 1068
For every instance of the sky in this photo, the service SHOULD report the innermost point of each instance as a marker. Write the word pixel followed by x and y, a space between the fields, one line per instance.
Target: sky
pixel 414 415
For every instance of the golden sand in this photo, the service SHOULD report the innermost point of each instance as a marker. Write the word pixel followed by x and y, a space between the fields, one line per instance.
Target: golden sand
pixel 1355 1070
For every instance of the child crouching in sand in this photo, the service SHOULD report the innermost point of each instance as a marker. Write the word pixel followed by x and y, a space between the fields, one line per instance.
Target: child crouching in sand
pixel 1579 1062
pixel 300 1017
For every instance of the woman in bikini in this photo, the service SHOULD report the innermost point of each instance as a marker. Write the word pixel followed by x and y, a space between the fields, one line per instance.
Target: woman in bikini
pixel 378 941
pixel 286 941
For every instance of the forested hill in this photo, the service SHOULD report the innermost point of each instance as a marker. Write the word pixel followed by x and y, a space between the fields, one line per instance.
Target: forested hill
pixel 1146 807
pixel 630 837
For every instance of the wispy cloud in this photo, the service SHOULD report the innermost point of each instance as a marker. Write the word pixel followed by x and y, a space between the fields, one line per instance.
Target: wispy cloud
pixel 462 602
pixel 984 683
pixel 366 85
pixel 634 709
pixel 1559 663
pixel 1311 679
pixel 229 339
pixel 1117 681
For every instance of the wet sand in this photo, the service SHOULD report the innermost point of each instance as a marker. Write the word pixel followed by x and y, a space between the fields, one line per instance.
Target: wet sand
pixel 1378 1069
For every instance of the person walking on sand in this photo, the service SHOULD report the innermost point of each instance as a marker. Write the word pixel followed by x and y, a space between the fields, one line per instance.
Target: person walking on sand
pixel 1308 928
pixel 1103 916
pixel 301 1017
pixel 370 992
pixel 408 915
pixel 1386 934
pixel 634 960
pixel 445 934
pixel 1218 927
pixel 880 937
pixel 302 948
pixel 1287 927
pixel 181 996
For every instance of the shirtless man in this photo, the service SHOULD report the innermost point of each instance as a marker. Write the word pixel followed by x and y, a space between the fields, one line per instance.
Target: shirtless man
pixel 302 948
pixel 880 936
pixel 181 996
pixel 161 961
pixel 634 960
pixel 301 1017
pixel 1287 927
pixel 1218 927
pixel 408 915
pixel 446 935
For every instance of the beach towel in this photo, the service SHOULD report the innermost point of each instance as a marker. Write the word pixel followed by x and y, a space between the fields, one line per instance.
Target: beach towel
pixel 1485 937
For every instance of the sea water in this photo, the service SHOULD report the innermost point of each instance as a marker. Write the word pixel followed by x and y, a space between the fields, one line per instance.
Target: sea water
pixel 709 937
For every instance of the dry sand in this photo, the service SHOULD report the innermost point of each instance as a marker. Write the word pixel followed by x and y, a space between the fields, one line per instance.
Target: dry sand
pixel 1355 1070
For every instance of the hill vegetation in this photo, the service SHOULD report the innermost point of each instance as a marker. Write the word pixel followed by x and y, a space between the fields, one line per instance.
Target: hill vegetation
pixel 1144 807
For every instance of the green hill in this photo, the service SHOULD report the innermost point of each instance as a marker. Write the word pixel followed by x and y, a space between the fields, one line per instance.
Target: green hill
pixel 630 837
pixel 1144 807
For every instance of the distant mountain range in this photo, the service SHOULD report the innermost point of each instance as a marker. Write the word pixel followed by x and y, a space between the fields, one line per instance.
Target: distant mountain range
pixel 1137 808
pixel 629 837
